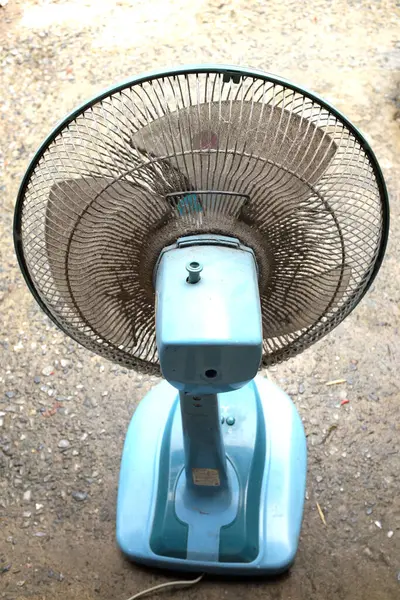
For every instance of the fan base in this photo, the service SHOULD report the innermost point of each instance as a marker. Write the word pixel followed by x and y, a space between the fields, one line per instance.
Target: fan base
pixel 251 528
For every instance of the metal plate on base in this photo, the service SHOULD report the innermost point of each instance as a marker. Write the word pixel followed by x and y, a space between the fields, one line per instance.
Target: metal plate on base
pixel 252 529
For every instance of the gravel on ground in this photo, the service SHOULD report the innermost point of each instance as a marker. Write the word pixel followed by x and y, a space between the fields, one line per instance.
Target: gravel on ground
pixel 64 411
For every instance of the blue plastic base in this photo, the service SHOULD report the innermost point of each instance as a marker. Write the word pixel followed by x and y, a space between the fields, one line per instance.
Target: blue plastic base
pixel 251 526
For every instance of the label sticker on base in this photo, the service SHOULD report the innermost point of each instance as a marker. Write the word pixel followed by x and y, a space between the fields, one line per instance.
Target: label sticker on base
pixel 206 477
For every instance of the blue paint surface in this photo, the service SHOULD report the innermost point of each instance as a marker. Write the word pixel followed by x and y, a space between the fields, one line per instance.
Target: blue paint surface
pixel 189 204
pixel 213 475
pixel 213 325
pixel 153 496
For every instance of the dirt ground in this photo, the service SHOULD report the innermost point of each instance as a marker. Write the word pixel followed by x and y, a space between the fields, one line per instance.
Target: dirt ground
pixel 64 411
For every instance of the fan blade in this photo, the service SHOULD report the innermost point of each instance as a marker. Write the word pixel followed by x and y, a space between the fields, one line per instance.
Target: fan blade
pixel 300 302
pixel 244 147
pixel 94 230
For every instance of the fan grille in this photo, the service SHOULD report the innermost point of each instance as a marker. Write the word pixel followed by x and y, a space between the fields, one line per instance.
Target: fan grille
pixel 244 155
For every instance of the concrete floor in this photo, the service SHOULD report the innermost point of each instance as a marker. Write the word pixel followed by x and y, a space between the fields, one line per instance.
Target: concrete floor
pixel 53 55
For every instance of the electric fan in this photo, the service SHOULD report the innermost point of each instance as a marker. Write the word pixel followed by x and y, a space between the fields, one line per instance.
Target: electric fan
pixel 205 222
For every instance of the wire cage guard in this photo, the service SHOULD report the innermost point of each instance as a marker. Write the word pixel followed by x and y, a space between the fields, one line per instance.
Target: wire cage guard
pixel 270 164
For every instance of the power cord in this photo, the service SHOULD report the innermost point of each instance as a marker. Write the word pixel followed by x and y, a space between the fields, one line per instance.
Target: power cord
pixel 163 586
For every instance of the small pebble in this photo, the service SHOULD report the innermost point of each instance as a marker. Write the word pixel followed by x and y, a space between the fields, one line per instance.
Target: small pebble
pixel 36 379
pixel 319 478
pixel 54 575
pixel 6 448
pixel 5 569
pixel 368 553
pixel 390 534
pixel 63 444
pixel 47 371
pixel 378 524
pixel 10 394
pixel 369 511
pixel 79 496
pixel 27 496
pixel 301 388
pixel 65 363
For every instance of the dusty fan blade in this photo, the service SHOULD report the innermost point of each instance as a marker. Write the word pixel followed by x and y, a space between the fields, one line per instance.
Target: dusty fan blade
pixel 306 300
pixel 261 150
pixel 100 282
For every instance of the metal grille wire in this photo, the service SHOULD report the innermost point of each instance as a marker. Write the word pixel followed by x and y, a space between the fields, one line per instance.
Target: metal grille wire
pixel 277 169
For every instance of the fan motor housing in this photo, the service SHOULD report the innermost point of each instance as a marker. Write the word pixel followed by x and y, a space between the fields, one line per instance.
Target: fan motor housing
pixel 209 331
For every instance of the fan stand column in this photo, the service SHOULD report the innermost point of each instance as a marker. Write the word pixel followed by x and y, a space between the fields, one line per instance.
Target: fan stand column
pixel 205 459
pixel 209 340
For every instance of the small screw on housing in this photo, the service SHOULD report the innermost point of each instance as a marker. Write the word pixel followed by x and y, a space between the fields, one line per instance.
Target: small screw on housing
pixel 194 269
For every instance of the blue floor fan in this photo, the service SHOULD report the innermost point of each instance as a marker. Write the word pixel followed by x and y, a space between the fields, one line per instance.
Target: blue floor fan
pixel 205 222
